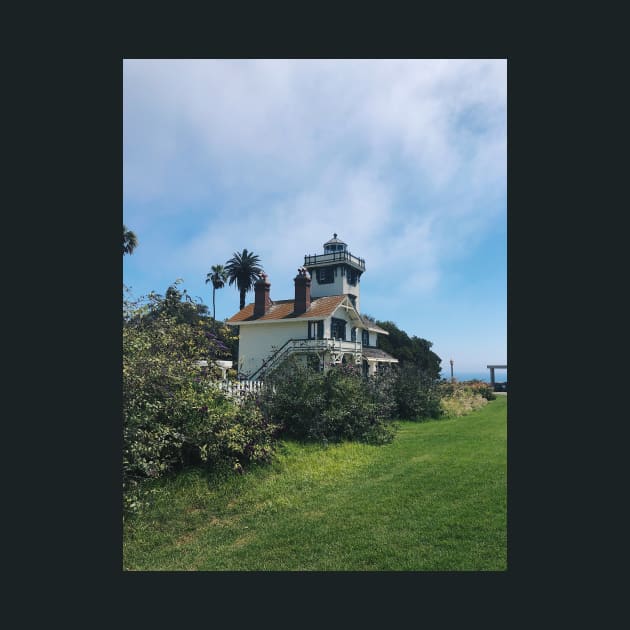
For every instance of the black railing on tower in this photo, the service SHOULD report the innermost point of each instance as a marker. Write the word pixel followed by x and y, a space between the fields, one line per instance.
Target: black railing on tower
pixel 321 259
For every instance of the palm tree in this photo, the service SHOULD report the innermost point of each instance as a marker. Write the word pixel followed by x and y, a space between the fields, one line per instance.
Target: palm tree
pixel 243 270
pixel 218 277
pixel 130 241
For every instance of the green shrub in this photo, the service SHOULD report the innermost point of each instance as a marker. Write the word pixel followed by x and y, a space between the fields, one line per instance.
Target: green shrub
pixel 335 405
pixel 382 391
pixel 236 436
pixel 417 394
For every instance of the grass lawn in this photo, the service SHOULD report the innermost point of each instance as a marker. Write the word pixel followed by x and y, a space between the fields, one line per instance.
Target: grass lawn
pixel 432 500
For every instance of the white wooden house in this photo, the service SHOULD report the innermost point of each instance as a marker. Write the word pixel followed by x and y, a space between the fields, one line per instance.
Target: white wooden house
pixel 322 322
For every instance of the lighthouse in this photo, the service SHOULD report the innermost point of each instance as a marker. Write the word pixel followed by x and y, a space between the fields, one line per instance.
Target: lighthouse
pixel 335 272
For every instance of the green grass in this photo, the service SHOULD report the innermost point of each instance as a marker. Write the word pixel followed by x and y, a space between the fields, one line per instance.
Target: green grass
pixel 433 500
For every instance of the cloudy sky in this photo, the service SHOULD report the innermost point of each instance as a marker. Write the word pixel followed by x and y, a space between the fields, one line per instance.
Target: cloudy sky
pixel 404 159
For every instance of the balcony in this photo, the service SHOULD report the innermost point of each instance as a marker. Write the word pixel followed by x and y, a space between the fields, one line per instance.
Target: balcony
pixel 323 345
pixel 315 260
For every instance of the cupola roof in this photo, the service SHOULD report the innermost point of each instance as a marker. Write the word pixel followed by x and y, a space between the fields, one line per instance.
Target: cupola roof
pixel 334 241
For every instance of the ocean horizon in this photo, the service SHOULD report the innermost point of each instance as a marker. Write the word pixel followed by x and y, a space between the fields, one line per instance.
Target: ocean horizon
pixel 500 376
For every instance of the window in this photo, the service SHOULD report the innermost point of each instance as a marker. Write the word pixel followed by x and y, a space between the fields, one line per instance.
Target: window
pixel 365 338
pixel 325 275
pixel 316 329
pixel 338 328
pixel 353 277
pixel 353 334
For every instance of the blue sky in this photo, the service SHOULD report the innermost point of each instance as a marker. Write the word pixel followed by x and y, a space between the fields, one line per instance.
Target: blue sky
pixel 404 159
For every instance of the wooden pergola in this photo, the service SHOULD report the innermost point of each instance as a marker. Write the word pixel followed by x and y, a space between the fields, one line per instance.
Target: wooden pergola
pixel 492 369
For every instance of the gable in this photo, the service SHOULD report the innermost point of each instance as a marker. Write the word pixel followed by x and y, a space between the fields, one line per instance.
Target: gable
pixel 345 310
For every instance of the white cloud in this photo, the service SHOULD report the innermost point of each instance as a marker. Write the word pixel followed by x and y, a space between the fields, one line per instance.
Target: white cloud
pixel 404 159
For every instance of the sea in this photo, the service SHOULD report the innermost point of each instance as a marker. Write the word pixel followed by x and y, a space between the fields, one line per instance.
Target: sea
pixel 500 376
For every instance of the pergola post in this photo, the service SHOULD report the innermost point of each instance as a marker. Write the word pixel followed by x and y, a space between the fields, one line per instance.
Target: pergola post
pixel 492 368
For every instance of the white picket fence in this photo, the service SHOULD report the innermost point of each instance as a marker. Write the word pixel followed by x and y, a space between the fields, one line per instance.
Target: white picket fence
pixel 239 389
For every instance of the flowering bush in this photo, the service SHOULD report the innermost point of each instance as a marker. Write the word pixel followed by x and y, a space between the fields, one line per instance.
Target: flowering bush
pixel 461 403
pixel 459 399
pixel 448 387
pixel 173 415
pixel 480 387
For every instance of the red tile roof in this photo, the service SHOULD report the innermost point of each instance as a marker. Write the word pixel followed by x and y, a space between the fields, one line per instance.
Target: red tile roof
pixel 284 309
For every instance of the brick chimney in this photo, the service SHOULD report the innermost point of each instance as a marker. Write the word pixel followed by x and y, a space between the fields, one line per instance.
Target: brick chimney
pixel 262 301
pixel 302 291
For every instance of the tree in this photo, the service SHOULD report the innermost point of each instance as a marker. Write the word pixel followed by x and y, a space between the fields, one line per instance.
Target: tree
pixel 176 304
pixel 130 241
pixel 411 351
pixel 218 277
pixel 181 308
pixel 243 270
